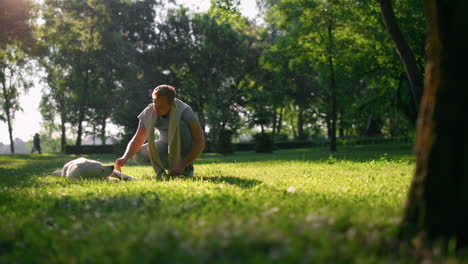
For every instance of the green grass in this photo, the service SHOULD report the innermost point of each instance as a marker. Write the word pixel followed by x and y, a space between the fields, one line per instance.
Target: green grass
pixel 345 209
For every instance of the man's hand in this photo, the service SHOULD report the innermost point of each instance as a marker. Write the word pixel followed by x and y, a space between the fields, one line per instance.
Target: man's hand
pixel 119 163
pixel 178 169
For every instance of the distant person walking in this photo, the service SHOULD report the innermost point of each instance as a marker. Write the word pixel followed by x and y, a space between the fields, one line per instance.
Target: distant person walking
pixel 36 144
pixel 181 139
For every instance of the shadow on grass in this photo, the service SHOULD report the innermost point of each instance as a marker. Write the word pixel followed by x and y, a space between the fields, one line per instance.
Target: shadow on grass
pixel 240 182
pixel 21 169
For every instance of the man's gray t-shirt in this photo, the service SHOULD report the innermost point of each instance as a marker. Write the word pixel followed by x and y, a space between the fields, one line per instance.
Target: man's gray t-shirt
pixel 162 124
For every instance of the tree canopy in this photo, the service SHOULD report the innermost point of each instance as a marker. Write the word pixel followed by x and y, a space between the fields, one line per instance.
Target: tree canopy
pixel 311 70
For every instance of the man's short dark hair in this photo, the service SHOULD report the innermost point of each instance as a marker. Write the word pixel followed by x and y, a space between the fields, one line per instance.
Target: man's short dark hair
pixel 165 90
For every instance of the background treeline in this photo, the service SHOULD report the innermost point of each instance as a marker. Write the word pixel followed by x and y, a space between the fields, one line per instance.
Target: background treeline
pixel 310 70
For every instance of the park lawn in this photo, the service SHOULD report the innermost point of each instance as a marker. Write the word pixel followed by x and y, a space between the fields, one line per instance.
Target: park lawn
pixel 292 206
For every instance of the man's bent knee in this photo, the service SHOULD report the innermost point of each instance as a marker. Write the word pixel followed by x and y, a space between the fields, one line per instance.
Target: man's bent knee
pixel 142 156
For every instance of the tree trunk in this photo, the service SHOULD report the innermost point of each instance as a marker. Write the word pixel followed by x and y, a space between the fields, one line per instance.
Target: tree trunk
pixel 280 121
pixel 341 128
pixel 10 132
pixel 84 98
pixel 103 131
pixel 300 124
pixel 333 90
pixel 83 105
pixel 413 72
pixel 292 124
pixel 63 140
pixel 275 116
pixel 438 201
pixel 81 114
pixel 201 114
pixel 328 122
pixel 94 134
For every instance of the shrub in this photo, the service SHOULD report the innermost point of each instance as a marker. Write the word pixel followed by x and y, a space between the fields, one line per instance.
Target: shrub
pixel 224 145
pixel 244 146
pixel 264 143
pixel 89 149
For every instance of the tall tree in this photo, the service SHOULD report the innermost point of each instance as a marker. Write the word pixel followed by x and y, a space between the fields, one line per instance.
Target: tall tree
pixel 207 59
pixel 14 79
pixel 15 38
pixel 56 100
pixel 413 70
pixel 95 46
pixel 314 35
pixel 438 199
pixel 140 66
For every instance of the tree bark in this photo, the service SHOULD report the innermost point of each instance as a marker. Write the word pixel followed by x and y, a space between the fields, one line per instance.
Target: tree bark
pixel 292 123
pixel 300 123
pixel 328 122
pixel 333 90
pixel 63 140
pixel 341 128
pixel 84 98
pixel 280 121
pixel 10 132
pixel 275 117
pixel 82 109
pixel 438 201
pixel 413 72
pixel 103 131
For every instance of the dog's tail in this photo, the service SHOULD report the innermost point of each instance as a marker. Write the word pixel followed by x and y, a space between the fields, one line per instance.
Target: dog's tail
pixel 57 172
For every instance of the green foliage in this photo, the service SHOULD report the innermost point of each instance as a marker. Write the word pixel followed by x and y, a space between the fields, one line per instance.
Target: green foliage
pixel 305 35
pixel 15 69
pixel 91 60
pixel 16 40
pixel 208 61
pixel 331 159
pixel 223 145
pixel 264 143
pixel 287 207
pixel 15 22
pixel 227 11
pixel 235 74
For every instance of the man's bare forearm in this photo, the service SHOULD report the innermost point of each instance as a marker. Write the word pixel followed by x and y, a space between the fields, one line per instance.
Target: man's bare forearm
pixel 132 148
pixel 135 143
pixel 193 154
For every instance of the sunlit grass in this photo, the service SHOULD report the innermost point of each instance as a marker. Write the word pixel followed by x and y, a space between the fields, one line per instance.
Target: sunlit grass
pixel 304 205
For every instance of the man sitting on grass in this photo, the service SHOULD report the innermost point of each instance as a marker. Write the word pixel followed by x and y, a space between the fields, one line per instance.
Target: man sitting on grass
pixel 181 136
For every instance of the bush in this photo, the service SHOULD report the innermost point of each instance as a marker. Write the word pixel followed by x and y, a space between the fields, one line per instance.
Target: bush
pixel 264 143
pixel 89 149
pixel 245 146
pixel 224 145
pixel 373 140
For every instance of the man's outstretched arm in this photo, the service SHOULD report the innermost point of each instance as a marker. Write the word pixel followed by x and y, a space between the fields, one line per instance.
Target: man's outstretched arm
pixel 132 148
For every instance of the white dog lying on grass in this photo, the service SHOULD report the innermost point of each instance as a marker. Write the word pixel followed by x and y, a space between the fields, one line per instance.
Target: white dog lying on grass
pixel 90 169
